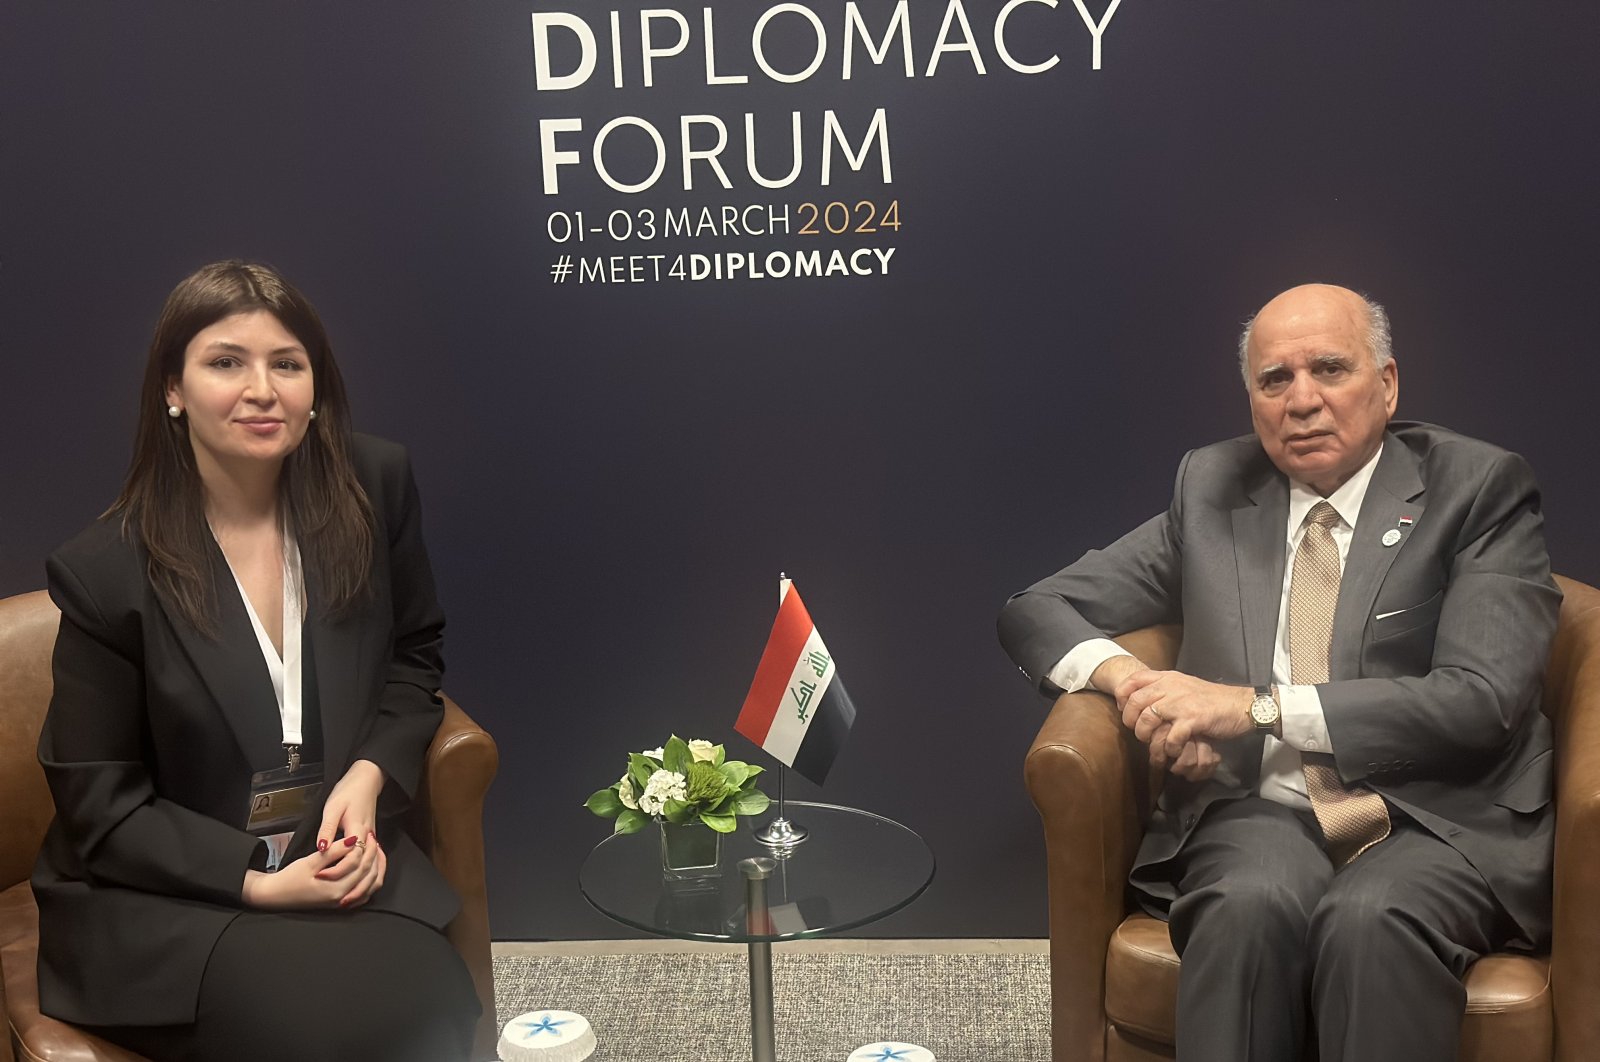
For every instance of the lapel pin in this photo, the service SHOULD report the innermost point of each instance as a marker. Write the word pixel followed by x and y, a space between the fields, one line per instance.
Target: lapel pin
pixel 1392 536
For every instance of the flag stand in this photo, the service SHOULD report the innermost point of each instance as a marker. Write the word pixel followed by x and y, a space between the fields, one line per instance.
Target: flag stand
pixel 780 832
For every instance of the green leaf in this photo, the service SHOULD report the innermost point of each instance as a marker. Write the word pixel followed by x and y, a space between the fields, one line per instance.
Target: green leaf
pixel 631 820
pixel 605 803
pixel 735 772
pixel 720 757
pixel 640 768
pixel 751 803
pixel 675 811
pixel 720 823
pixel 676 756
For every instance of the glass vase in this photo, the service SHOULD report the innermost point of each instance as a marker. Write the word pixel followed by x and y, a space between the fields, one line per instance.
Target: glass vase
pixel 690 849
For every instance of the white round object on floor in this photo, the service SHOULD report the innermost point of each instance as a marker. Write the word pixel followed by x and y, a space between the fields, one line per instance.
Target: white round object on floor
pixel 547 1036
pixel 891 1051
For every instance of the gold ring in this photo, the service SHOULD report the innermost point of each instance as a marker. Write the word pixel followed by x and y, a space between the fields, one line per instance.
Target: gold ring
pixel 361 844
pixel 1152 710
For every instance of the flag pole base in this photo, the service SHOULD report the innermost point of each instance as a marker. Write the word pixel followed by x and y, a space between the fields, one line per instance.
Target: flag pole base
pixel 781 833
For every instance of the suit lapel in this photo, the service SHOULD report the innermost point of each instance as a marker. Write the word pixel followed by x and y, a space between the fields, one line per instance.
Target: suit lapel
pixel 340 662
pixel 232 669
pixel 1258 545
pixel 1396 490
pixel 1258 555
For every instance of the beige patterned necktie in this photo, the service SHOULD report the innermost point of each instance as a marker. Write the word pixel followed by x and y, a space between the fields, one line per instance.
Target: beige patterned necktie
pixel 1353 819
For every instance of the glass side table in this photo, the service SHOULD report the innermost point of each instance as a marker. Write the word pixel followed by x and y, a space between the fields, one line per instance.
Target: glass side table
pixel 854 868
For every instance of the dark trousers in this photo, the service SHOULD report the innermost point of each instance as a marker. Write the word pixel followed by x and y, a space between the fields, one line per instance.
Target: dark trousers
pixel 315 986
pixel 1267 927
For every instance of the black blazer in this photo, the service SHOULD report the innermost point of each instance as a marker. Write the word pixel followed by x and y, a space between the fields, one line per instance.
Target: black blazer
pixel 1439 641
pixel 154 730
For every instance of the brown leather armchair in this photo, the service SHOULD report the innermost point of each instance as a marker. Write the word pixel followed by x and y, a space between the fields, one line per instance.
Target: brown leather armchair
pixel 1113 973
pixel 447 821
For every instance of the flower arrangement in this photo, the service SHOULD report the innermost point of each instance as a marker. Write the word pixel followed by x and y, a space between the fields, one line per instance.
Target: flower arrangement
pixel 680 782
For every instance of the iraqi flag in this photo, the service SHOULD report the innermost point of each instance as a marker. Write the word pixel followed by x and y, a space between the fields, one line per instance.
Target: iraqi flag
pixel 797 709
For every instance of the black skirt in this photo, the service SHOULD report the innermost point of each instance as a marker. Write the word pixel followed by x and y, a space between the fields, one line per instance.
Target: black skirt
pixel 317 986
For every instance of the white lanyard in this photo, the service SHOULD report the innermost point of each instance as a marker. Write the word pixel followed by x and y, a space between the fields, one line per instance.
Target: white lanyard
pixel 284 671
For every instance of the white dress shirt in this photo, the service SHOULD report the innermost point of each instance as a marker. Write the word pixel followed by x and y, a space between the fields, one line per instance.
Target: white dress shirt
pixel 1305 728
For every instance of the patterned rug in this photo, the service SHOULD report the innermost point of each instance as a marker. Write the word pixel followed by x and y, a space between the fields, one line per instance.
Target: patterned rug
pixel 694 1007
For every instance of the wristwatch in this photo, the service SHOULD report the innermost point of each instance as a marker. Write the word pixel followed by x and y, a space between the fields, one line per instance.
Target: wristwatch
pixel 1264 709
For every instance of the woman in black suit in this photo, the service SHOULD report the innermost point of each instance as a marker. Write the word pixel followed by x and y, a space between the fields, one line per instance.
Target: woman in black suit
pixel 257 599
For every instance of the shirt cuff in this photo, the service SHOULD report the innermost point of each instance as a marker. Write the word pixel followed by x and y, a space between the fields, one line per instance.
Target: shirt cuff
pixel 1072 671
pixel 1304 726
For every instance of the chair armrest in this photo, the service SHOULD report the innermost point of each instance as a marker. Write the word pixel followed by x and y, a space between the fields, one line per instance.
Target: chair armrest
pixel 1090 779
pixel 461 762
pixel 5 1025
pixel 1574 956
pixel 1080 776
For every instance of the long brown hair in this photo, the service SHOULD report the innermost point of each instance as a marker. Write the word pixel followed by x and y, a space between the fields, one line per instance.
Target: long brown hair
pixel 162 503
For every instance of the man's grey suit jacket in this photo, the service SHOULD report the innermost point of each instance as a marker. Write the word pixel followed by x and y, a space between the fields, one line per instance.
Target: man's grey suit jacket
pixel 1439 641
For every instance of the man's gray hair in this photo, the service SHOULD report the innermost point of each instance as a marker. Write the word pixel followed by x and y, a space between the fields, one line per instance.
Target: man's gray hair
pixel 1379 339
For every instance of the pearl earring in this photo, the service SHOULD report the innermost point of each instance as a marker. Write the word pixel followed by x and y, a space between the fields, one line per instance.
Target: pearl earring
pixel 312 415
pixel 174 412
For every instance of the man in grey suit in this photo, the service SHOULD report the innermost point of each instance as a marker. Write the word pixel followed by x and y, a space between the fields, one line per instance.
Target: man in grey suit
pixel 1358 803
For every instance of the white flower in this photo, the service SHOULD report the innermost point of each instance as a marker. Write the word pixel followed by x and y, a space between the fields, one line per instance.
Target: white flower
pixel 703 751
pixel 654 754
pixel 662 787
pixel 625 793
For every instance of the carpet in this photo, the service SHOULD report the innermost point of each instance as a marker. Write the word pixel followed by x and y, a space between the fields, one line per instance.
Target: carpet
pixel 694 1006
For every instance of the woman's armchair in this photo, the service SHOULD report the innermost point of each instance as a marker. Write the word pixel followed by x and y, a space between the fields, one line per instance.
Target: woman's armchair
pixel 1114 974
pixel 447 821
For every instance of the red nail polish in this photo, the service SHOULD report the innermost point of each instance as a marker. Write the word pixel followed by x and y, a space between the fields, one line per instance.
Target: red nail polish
pixel 322 846
pixel 350 842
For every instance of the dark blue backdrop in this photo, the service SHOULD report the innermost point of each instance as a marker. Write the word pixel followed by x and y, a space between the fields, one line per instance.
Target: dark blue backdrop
pixel 610 473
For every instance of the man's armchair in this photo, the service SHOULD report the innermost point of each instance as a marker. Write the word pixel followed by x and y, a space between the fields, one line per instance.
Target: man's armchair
pixel 447 822
pixel 1114 974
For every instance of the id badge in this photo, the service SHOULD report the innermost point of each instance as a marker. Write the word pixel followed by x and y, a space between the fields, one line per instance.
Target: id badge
pixel 281 798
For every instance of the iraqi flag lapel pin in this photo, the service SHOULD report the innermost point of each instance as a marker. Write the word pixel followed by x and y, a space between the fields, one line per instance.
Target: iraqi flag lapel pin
pixel 1392 536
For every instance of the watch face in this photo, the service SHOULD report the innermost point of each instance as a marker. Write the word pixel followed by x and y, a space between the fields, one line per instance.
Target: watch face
pixel 1264 710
